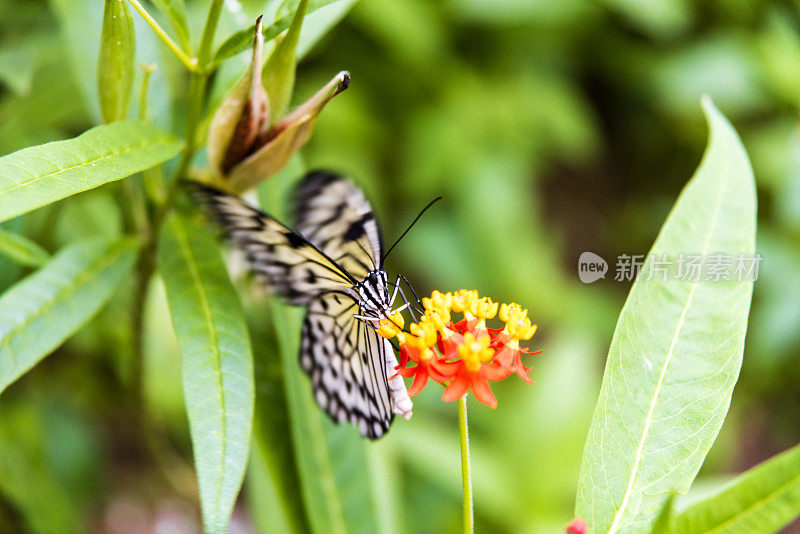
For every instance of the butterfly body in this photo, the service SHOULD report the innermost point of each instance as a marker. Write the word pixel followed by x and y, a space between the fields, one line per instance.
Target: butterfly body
pixel 332 264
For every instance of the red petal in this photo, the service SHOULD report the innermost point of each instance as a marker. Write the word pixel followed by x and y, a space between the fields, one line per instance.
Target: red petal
pixel 443 371
pixel 480 387
pixel 505 357
pixel 523 375
pixel 457 388
pixel 521 370
pixel 408 372
pixel 419 382
pixel 403 357
pixel 448 346
pixel 494 372
pixel 461 326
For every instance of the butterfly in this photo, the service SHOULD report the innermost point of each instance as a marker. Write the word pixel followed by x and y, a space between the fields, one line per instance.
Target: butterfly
pixel 332 263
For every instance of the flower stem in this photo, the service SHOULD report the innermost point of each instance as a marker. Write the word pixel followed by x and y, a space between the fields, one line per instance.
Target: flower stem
pixel 466 475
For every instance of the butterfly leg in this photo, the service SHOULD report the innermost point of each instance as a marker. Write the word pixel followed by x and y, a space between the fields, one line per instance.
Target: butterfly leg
pixel 394 293
pixel 401 308
pixel 411 307
pixel 367 320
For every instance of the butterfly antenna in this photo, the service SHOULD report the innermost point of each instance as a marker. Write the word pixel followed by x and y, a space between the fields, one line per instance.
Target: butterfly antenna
pixel 410 226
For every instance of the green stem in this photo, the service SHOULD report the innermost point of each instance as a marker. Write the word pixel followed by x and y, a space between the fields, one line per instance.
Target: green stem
pixel 147 70
pixel 152 178
pixel 466 476
pixel 204 52
pixel 190 62
pixel 194 109
pixel 144 272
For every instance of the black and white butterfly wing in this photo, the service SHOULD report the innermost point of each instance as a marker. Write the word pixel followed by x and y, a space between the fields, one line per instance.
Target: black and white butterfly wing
pixel 348 363
pixel 291 265
pixel 349 366
pixel 351 377
pixel 333 213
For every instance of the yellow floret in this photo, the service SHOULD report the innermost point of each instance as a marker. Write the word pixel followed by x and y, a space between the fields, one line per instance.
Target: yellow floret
pixel 464 300
pixel 424 334
pixel 484 308
pixel 438 302
pixel 474 351
pixel 391 325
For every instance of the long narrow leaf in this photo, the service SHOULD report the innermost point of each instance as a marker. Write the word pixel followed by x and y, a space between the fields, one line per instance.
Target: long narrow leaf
pixel 44 309
pixel 22 250
pixel 676 352
pixel 39 175
pixel 217 363
pixel 763 499
pixel 272 480
pixel 332 460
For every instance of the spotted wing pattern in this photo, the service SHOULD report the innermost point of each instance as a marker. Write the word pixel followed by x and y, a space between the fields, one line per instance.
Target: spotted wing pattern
pixel 291 265
pixel 347 363
pixel 333 213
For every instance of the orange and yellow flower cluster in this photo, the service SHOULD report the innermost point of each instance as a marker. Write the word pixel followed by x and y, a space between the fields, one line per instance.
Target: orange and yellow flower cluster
pixel 463 354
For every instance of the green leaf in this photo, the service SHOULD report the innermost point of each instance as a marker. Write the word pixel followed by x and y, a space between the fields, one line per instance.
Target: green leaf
pixel 22 250
pixel 217 363
pixel 331 459
pixel 38 175
pixel 664 519
pixel 115 62
pixel 273 484
pixel 243 39
pixel 318 24
pixel 41 311
pixel 676 352
pixel 10 271
pixel 763 499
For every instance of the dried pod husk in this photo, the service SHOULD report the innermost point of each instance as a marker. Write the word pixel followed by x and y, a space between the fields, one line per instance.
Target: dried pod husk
pixel 282 141
pixel 242 118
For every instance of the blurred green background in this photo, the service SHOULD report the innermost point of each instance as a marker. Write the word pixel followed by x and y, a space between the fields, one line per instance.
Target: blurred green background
pixel 551 128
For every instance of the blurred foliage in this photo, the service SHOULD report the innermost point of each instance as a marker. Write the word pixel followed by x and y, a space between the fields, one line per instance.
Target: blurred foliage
pixel 550 128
